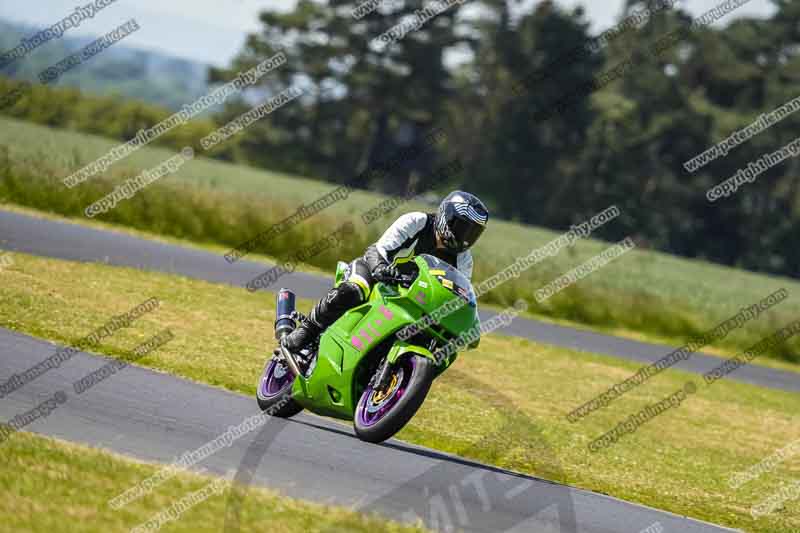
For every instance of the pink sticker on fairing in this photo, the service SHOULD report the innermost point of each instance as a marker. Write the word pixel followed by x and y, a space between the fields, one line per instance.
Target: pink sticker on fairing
pixel 365 335
pixel 355 341
pixel 420 297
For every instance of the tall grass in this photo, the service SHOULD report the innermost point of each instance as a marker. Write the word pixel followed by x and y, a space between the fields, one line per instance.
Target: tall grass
pixel 213 202
pixel 176 209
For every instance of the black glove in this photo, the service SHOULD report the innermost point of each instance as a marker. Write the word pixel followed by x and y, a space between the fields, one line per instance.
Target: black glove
pixel 385 272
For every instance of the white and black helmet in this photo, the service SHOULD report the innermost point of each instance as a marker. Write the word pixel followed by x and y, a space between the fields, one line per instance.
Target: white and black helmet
pixel 461 219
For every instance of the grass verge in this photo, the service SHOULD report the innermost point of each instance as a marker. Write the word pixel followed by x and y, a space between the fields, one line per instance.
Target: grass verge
pixel 49 485
pixel 503 404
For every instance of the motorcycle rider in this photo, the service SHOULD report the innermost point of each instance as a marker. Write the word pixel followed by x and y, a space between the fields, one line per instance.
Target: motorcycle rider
pixel 447 235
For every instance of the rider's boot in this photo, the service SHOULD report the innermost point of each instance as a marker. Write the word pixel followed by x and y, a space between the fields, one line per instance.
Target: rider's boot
pixel 326 312
pixel 302 336
pixel 290 345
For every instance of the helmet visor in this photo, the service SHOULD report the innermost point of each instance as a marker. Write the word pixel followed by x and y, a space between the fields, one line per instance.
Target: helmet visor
pixel 465 231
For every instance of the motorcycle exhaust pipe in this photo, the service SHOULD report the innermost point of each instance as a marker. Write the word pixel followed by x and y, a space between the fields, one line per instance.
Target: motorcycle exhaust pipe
pixel 285 324
pixel 284 307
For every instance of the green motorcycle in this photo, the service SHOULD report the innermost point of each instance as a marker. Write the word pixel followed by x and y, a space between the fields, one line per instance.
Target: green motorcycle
pixel 359 369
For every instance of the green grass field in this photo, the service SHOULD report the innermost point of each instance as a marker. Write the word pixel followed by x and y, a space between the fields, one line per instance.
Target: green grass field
pixel 37 471
pixel 503 404
pixel 642 293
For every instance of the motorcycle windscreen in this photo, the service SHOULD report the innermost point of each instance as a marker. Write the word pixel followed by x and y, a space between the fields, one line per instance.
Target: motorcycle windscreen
pixel 451 279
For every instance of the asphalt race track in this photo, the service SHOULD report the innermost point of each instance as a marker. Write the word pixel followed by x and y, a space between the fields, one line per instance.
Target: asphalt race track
pixel 48 238
pixel 158 417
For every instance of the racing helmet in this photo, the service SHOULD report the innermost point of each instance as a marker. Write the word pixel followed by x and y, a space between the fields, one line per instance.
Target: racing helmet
pixel 460 220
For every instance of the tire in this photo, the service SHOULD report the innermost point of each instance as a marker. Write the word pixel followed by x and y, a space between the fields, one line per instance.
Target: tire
pixel 378 419
pixel 274 391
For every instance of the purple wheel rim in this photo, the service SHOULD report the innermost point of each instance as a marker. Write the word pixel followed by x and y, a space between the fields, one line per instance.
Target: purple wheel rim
pixel 276 380
pixel 369 412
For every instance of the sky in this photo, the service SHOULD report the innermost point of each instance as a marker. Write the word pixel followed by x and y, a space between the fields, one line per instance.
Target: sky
pixel 213 31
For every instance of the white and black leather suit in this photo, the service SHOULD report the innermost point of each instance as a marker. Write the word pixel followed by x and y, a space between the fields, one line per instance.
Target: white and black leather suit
pixel 410 235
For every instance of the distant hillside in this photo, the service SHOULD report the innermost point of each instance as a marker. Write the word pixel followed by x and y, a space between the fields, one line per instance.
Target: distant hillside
pixel 134 73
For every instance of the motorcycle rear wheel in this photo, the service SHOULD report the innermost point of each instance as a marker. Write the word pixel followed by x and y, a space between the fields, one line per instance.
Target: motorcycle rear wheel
pixel 274 390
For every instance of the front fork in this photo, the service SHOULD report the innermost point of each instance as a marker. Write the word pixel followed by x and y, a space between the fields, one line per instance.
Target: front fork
pixel 384 372
pixel 382 375
pixel 400 348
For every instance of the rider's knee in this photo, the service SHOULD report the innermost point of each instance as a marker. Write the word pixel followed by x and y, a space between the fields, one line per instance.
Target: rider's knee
pixel 360 277
pixel 350 294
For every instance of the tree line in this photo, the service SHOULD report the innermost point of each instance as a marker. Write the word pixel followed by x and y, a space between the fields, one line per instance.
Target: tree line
pixel 549 123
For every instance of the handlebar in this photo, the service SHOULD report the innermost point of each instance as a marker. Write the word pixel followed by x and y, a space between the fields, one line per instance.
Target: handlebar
pixel 404 280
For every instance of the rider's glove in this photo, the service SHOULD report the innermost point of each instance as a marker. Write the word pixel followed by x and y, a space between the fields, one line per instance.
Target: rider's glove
pixel 385 271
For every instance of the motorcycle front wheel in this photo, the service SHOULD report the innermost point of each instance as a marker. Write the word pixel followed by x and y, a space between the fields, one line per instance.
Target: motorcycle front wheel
pixel 382 413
